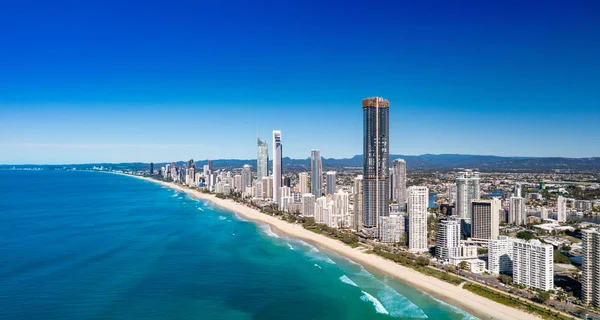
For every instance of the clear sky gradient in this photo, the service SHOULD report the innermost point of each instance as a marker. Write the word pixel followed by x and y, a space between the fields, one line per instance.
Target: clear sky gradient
pixel 121 81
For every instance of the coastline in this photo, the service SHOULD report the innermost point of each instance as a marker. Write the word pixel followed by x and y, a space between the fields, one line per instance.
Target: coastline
pixel 446 292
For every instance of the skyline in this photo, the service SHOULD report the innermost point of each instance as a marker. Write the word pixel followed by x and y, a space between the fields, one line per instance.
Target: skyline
pixel 106 83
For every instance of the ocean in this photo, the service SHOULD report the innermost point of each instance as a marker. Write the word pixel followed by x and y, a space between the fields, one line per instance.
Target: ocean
pixel 91 245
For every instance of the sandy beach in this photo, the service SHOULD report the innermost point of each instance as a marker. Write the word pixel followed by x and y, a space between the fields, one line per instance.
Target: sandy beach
pixel 454 295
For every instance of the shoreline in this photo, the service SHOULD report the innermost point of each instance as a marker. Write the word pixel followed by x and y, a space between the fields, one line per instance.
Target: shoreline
pixel 447 293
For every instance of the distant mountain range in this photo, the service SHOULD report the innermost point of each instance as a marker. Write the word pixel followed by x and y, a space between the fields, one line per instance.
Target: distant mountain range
pixel 422 162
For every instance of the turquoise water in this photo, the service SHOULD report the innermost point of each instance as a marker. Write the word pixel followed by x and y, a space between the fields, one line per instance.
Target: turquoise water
pixel 88 245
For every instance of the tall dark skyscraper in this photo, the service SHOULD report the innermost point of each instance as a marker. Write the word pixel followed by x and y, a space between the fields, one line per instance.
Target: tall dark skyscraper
pixel 376 156
pixel 151 168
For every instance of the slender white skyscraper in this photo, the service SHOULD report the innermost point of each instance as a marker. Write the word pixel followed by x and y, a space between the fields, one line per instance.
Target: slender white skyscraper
pixel 590 267
pixel 447 240
pixel 316 173
pixel 277 159
pixel 418 201
pixel 358 202
pixel 246 177
pixel 561 206
pixel 331 176
pixel 517 190
pixel 399 193
pixel 303 177
pixel 262 165
pixel 517 213
pixel 467 190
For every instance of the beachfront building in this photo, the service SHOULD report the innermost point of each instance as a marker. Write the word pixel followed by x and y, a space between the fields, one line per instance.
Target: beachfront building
pixel 262 165
pixel 447 240
pixel 376 155
pixel 500 255
pixel 316 173
pixel 467 190
pixel 517 214
pixel 277 163
pixel 561 209
pixel 330 187
pixel 533 264
pixel 485 222
pixel 418 201
pixel 399 193
pixel 246 177
pixel 358 203
pixel 590 267
pixel 267 187
pixel 391 228
pixel 303 177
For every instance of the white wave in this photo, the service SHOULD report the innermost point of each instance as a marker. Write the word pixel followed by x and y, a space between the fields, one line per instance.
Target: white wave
pixel 200 209
pixel 318 266
pixel 222 218
pixel 315 254
pixel 378 306
pixel 347 280
pixel 267 230
pixel 290 246
pixel 239 217
pixel 466 315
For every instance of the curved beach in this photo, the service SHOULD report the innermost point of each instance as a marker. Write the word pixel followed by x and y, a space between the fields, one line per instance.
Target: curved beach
pixel 455 295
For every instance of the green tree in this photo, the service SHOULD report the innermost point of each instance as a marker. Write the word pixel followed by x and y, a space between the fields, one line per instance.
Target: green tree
pixel 559 257
pixel 525 235
pixel 544 296
pixel 463 265
pixel 506 279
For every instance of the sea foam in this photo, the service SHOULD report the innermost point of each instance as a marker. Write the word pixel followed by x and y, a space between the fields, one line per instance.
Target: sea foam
pixel 379 308
pixel 347 280
pixel 267 230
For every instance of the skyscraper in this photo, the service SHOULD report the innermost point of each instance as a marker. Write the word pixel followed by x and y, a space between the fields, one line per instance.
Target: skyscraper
pixel 358 203
pixel 517 213
pixel 151 168
pixel 277 158
pixel 533 264
pixel 500 255
pixel 316 173
pixel 561 209
pixel 399 194
pixel 376 139
pixel 262 165
pixel 447 239
pixel 517 190
pixel 246 177
pixel 331 176
pixel 418 201
pixel 308 205
pixel 485 223
pixel 467 190
pixel 303 177
pixel 590 267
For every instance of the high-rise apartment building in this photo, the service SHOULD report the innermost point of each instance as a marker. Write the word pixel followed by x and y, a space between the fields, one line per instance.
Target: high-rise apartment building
pixel 467 190
pixel 399 193
pixel 590 267
pixel 533 264
pixel 485 222
pixel 561 209
pixel 316 173
pixel 262 165
pixel 277 163
pixel 358 202
pixel 331 176
pixel 500 255
pixel 308 205
pixel 391 228
pixel 517 190
pixel 517 214
pixel 447 240
pixel 376 162
pixel 303 177
pixel 246 177
pixel 418 201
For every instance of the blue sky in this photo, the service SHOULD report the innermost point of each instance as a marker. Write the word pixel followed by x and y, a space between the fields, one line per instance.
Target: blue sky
pixel 120 81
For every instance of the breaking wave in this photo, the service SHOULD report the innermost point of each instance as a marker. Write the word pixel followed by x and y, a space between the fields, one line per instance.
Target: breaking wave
pixel 379 308
pixel 347 280
pixel 267 230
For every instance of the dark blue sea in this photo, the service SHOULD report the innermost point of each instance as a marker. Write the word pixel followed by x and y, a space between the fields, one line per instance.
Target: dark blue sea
pixel 91 245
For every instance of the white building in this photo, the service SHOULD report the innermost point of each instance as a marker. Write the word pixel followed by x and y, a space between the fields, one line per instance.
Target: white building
pixel 467 190
pixel 358 202
pixel 418 201
pixel 517 214
pixel 447 240
pixel 320 205
pixel 267 187
pixel 485 222
pixel 399 192
pixel 277 158
pixel 237 182
pixel 476 266
pixel 303 177
pixel 391 228
pixel 561 208
pixel 285 202
pixel 331 176
pixel 500 255
pixel 533 264
pixel 590 267
pixel 544 214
